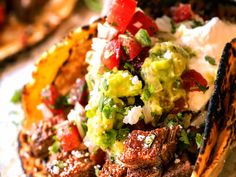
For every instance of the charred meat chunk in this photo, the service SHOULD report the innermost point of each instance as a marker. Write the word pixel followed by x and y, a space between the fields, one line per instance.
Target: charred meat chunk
pixel 74 164
pixel 40 138
pixel 181 169
pixel 113 170
pixel 147 172
pixel 150 148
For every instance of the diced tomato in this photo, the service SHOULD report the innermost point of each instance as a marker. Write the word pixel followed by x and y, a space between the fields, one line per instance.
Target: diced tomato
pixel 121 13
pixel 2 14
pixel 140 20
pixel 79 92
pixel 130 45
pixel 194 81
pixel 182 12
pixel 68 136
pixel 49 97
pixel 111 54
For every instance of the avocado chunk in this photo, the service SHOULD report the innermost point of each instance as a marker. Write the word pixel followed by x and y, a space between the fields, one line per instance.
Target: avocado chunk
pixel 122 84
pixel 161 73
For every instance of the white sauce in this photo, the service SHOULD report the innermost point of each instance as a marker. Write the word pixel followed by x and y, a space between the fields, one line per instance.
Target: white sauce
pixel 210 40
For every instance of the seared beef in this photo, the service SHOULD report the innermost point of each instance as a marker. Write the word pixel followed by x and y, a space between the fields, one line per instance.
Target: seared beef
pixel 181 169
pixel 112 170
pixel 150 148
pixel 144 172
pixel 40 138
pixel 74 164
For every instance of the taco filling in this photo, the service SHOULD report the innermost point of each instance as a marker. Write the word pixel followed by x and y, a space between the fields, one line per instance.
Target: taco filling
pixel 140 109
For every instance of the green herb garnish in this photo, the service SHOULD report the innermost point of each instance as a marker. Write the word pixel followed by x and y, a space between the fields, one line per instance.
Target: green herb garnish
pixel 55 147
pixel 149 140
pixel 143 38
pixel 122 134
pixel 198 140
pixel 16 97
pixel 197 23
pixel 184 137
pixel 201 87
pixel 129 67
pixel 61 102
pixel 210 60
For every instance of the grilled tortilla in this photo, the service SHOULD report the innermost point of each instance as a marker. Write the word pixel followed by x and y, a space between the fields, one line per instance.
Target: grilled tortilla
pixel 16 36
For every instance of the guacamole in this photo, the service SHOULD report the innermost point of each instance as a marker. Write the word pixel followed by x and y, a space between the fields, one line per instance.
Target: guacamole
pixel 113 94
pixel 161 73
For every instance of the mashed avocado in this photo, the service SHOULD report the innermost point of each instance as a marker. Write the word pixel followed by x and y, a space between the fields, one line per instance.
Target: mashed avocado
pixel 105 110
pixel 161 73
pixel 112 94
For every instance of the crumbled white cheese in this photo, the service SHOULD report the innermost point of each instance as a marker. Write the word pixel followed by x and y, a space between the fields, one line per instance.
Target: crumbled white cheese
pixel 135 80
pixel 168 54
pixel 55 170
pixel 164 24
pixel 106 31
pixel 133 115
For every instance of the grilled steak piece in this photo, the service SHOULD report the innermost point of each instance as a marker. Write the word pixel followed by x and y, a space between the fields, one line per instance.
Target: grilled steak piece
pixel 40 138
pixel 181 169
pixel 74 164
pixel 150 148
pixel 144 172
pixel 113 170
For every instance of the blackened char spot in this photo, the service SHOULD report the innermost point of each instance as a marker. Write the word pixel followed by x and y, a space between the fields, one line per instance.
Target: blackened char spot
pixel 86 27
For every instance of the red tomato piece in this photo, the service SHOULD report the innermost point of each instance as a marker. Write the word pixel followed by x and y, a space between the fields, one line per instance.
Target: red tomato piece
pixel 131 46
pixel 68 136
pixel 121 13
pixel 140 20
pixel 194 81
pixel 2 14
pixel 49 97
pixel 182 12
pixel 111 54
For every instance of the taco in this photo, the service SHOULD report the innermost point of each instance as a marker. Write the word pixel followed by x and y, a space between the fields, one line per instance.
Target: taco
pixel 23 24
pixel 130 96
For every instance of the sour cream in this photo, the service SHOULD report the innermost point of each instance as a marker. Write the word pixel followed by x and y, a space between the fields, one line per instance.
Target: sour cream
pixel 207 40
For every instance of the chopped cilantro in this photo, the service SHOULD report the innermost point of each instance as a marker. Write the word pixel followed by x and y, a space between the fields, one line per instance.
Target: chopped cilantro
pixel 171 123
pixel 196 23
pixel 184 137
pixel 201 87
pixel 198 140
pixel 173 27
pixel 129 67
pixel 122 134
pixel 149 140
pixel 55 146
pixel 61 102
pixel 16 98
pixel 210 60
pixel 126 50
pixel 180 115
pixel 143 38
pixel 84 126
pixel 146 94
